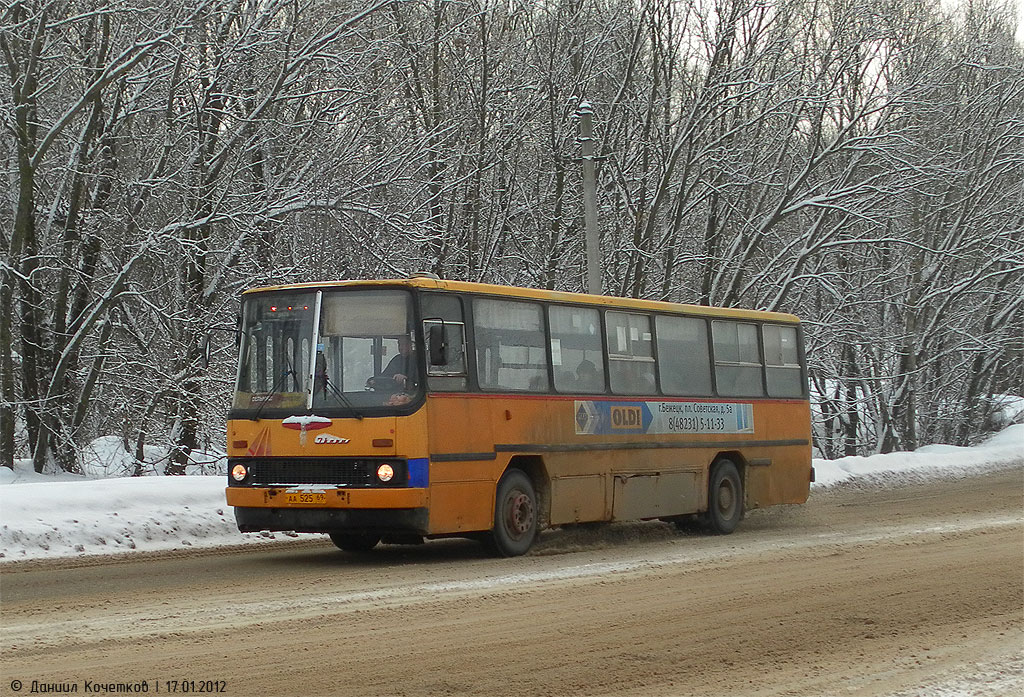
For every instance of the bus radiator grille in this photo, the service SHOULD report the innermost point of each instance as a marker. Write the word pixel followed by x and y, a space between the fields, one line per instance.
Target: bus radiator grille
pixel 336 471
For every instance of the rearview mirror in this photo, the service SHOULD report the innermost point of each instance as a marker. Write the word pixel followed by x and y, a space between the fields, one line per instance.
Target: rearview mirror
pixel 437 345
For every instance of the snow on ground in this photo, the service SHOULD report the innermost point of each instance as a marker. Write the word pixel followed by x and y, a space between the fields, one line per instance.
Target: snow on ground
pixel 48 516
pixel 1001 451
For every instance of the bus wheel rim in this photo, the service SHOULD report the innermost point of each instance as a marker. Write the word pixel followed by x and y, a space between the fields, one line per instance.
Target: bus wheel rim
pixel 726 498
pixel 520 514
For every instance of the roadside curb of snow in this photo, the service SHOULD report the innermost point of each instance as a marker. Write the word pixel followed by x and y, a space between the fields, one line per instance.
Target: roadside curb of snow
pixel 1004 451
pixel 886 479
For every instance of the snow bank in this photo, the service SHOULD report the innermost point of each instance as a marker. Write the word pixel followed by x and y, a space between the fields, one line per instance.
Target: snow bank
pixel 110 516
pixel 1002 451
pixel 65 515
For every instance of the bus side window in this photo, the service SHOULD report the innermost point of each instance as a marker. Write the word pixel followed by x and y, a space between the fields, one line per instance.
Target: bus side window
pixel 576 351
pixel 782 361
pixel 737 359
pixel 509 339
pixel 630 353
pixel 683 358
pixel 442 313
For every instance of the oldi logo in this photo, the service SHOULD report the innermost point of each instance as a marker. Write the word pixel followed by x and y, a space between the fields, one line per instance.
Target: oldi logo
pixel 328 439
pixel 627 417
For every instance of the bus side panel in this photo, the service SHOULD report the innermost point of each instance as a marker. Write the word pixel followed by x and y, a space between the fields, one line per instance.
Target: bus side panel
pixel 786 480
pixel 460 506
pixel 601 484
pixel 409 434
pixel 461 488
pixel 579 488
pixel 578 498
pixel 780 474
pixel 654 495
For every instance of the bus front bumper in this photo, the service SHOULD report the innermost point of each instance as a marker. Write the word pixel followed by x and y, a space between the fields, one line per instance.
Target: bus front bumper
pixel 376 510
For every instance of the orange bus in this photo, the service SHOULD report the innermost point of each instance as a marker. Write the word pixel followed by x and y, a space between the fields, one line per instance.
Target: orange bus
pixel 401 410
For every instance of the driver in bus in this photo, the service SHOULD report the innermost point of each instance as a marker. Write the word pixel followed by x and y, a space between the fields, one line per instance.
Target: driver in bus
pixel 402 367
pixel 400 372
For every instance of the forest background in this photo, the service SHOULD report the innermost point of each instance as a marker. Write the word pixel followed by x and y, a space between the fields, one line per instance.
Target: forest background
pixel 860 164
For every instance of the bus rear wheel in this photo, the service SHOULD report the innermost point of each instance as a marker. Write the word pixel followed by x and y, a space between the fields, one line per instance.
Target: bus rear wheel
pixel 354 541
pixel 725 498
pixel 515 515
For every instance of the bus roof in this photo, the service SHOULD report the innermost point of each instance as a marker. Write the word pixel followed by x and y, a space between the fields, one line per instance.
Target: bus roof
pixel 609 301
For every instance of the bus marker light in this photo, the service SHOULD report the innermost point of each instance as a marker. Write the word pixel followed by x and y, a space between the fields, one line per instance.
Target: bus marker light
pixel 238 473
pixel 383 442
pixel 385 472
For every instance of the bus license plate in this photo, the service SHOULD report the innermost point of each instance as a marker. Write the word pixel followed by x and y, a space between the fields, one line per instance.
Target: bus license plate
pixel 306 498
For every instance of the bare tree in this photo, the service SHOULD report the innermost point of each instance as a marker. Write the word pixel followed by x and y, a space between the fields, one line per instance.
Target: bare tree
pixel 860 165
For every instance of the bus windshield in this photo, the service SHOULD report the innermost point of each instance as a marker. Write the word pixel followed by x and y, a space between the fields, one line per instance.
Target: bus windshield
pixel 277 331
pixel 364 361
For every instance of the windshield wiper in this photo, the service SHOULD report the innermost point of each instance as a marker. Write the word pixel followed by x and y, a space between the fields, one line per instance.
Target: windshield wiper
pixel 328 383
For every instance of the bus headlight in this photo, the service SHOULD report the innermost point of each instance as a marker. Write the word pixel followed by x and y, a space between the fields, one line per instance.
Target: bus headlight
pixel 238 473
pixel 385 472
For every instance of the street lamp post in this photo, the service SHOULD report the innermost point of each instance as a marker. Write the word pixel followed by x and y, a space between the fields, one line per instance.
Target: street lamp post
pixel 592 239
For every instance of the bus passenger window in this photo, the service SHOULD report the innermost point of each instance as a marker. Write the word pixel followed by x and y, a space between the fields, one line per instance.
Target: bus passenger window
pixel 509 339
pixel 630 353
pixel 782 361
pixel 576 350
pixel 737 359
pixel 683 359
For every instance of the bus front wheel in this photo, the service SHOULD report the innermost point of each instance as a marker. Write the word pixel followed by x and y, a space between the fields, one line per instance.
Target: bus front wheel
pixel 725 498
pixel 515 515
pixel 354 541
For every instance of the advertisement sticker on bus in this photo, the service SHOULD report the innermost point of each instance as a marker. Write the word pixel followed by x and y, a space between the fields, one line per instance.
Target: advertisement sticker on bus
pixel 606 418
